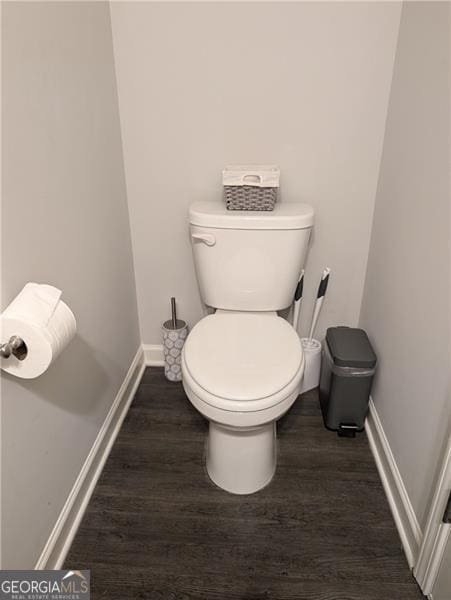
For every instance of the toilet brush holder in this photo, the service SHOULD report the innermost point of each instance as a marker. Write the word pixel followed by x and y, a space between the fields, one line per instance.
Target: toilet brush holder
pixel 174 336
pixel 312 354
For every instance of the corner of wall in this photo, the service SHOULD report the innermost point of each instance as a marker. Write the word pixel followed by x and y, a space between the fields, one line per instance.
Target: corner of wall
pixel 381 152
pixel 126 179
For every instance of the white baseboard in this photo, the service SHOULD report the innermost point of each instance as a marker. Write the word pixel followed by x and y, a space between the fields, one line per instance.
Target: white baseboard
pixel 153 355
pixel 398 499
pixel 63 533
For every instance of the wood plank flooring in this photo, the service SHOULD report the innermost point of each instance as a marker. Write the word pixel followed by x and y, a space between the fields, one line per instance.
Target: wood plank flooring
pixel 156 527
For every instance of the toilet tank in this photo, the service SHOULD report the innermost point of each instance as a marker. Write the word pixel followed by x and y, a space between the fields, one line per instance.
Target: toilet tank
pixel 249 260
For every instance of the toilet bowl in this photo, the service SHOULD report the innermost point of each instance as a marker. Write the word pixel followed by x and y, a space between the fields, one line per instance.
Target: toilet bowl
pixel 242 371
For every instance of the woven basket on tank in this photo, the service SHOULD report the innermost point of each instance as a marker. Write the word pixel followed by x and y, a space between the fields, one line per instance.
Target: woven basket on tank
pixel 249 197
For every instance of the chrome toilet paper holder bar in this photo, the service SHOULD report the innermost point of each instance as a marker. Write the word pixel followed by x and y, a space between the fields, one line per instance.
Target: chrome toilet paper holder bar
pixel 15 346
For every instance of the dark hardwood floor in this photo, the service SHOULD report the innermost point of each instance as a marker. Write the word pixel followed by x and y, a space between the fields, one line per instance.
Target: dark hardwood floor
pixel 157 528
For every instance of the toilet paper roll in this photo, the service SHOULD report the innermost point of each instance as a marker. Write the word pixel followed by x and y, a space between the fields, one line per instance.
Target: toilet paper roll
pixel 44 322
pixel 312 354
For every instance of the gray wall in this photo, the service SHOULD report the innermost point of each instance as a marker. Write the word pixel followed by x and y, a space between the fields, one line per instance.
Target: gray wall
pixel 65 222
pixel 406 303
pixel 202 85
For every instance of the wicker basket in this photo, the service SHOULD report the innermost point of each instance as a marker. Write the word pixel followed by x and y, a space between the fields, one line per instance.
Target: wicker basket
pixel 250 187
pixel 248 197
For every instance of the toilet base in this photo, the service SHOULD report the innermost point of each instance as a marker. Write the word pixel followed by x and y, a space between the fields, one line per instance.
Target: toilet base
pixel 241 460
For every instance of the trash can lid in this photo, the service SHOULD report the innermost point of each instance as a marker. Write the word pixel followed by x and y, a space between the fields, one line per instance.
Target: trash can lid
pixel 350 347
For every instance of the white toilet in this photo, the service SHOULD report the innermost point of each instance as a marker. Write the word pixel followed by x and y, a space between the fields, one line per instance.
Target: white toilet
pixel 243 365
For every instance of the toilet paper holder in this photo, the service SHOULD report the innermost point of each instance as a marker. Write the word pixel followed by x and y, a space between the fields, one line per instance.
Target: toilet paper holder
pixel 15 346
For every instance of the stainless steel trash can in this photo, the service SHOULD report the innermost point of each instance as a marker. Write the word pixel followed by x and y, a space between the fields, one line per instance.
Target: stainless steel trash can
pixel 347 369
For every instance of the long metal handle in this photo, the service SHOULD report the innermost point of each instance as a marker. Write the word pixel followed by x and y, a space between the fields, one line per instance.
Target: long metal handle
pixel 173 314
pixel 206 238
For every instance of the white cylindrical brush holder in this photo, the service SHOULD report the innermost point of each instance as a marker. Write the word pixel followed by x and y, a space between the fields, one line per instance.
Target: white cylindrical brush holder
pixel 173 340
pixel 312 354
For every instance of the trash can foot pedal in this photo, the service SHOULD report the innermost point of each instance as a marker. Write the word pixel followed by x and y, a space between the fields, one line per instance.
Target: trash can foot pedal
pixel 347 430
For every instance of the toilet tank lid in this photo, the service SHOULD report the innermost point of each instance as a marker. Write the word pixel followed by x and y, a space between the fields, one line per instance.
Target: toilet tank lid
pixel 286 215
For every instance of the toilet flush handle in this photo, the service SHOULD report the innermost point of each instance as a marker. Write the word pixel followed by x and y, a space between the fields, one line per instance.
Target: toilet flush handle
pixel 206 238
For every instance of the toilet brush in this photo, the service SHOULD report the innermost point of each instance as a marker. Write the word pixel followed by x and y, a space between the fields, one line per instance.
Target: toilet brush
pixel 175 332
pixel 312 347
pixel 319 300
pixel 298 300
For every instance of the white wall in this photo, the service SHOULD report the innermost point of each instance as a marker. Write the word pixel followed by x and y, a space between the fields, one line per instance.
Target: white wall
pixel 406 304
pixel 65 222
pixel 201 85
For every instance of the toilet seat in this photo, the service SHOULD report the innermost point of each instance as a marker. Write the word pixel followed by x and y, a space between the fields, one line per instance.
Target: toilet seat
pixel 242 362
